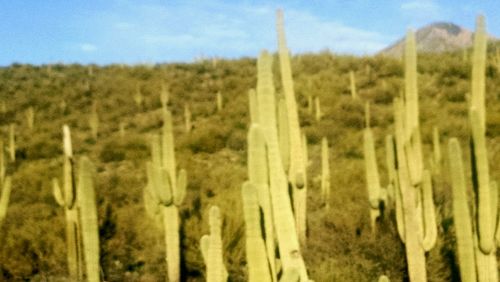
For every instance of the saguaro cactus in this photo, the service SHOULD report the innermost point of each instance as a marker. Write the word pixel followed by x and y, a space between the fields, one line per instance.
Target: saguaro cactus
pixel 436 144
pixel 211 248
pixel 12 142
pixel 281 207
pixel 372 176
pixel 5 186
pixel 319 114
pixel 219 101
pixel 325 173
pixel 352 79
pixel 164 96
pixel 138 97
pixel 66 197
pixel 165 192
pixel 296 173
pixel 88 219
pixel 187 118
pixel 476 238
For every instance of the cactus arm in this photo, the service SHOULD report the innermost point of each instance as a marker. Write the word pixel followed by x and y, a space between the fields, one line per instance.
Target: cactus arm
pixel 56 190
pixel 168 148
pixel 383 278
pixel 461 214
pixel 180 191
pixel 436 144
pixel 204 246
pixel 398 202
pixel 429 215
pixel 283 132
pixel 258 267
pixel 88 219
pixel 391 165
pixel 372 176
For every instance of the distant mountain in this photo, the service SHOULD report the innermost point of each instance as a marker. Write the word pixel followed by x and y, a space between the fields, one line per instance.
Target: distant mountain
pixel 436 37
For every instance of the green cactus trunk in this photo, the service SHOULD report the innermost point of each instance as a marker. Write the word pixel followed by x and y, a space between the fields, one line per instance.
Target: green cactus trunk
pixel 296 174
pixel 258 266
pixel 215 262
pixel 461 214
pixel 319 114
pixel 88 219
pixel 187 118
pixel 282 210
pixel 172 242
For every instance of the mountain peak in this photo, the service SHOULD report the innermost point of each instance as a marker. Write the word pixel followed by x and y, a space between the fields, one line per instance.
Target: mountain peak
pixel 435 37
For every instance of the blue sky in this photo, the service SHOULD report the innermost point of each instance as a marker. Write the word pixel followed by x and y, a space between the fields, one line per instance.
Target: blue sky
pixel 126 31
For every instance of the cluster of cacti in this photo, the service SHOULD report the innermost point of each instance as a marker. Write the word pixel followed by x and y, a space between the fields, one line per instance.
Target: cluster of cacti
pixel 376 194
pixel 94 121
pixel 165 192
pixel 82 234
pixel 297 166
pixel 413 193
pixel 268 177
pixel 5 186
pixel 477 240
pixel 352 79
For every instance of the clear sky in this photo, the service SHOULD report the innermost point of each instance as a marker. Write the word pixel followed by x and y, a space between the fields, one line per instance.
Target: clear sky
pixel 145 31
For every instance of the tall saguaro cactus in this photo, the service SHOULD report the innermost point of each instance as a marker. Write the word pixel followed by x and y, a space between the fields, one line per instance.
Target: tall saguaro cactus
pixel 476 238
pixel 165 192
pixel 66 197
pixel 5 186
pixel 296 170
pixel 282 214
pixel 187 118
pixel 30 118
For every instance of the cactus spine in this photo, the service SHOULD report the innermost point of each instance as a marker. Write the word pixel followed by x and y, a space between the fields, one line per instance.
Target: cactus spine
pixel 372 176
pixel 88 219
pixel 165 192
pixel 5 186
pixel 211 248
pixel 352 79
pixel 325 173
pixel 12 142
pixel 258 267
pixel 278 185
pixel 30 118
pixel 296 173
